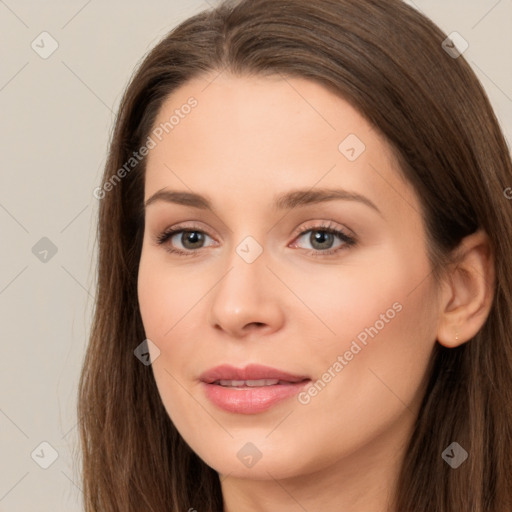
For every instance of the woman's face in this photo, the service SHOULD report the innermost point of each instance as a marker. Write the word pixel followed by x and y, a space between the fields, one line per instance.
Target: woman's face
pixel 310 260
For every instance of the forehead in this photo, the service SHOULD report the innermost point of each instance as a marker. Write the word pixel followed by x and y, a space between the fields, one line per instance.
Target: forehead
pixel 262 107
pixel 258 135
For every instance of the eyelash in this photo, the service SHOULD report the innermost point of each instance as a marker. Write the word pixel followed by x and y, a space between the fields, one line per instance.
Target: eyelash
pixel 348 241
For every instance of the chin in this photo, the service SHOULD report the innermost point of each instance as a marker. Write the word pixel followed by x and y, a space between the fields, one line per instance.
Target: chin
pixel 254 460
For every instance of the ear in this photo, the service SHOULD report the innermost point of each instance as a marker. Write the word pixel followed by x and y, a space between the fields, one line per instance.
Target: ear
pixel 467 291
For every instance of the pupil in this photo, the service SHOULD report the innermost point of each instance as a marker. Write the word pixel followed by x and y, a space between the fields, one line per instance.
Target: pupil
pixel 320 237
pixel 191 236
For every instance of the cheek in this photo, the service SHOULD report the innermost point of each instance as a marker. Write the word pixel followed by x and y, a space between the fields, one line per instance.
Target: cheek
pixel 169 303
pixel 373 370
pixel 165 295
pixel 164 299
pixel 382 327
pixel 355 302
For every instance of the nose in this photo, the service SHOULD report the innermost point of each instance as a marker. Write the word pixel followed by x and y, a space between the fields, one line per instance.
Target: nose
pixel 246 301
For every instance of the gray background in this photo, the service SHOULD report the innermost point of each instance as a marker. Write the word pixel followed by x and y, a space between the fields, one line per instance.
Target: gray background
pixel 57 114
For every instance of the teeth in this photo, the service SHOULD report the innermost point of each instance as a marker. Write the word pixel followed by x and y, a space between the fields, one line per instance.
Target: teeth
pixel 249 383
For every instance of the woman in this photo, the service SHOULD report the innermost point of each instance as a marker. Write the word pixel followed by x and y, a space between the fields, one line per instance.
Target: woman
pixel 305 279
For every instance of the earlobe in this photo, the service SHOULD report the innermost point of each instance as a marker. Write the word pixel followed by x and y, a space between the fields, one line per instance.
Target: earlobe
pixel 467 291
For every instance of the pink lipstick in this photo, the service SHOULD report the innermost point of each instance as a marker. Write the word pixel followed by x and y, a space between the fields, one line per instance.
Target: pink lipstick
pixel 250 390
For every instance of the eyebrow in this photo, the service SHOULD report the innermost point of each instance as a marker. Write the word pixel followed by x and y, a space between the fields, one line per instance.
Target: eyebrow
pixel 286 201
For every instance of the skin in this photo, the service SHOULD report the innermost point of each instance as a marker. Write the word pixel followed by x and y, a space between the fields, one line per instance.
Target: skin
pixel 248 139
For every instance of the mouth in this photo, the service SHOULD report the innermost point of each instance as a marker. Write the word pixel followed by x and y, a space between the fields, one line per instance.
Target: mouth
pixel 252 375
pixel 249 383
pixel 250 390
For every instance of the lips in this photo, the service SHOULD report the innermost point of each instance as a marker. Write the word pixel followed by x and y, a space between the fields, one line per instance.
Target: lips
pixel 252 372
pixel 250 390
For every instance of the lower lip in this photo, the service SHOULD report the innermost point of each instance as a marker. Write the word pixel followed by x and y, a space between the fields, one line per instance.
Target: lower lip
pixel 251 400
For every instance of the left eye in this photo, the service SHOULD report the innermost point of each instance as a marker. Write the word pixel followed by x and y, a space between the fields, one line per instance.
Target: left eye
pixel 322 239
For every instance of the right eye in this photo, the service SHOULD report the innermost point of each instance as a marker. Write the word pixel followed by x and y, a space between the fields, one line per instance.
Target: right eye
pixel 191 239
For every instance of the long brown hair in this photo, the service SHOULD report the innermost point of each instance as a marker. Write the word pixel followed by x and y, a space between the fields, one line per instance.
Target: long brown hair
pixel 387 60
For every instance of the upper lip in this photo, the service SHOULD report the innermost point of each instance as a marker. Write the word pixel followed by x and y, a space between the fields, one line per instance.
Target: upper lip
pixel 250 372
